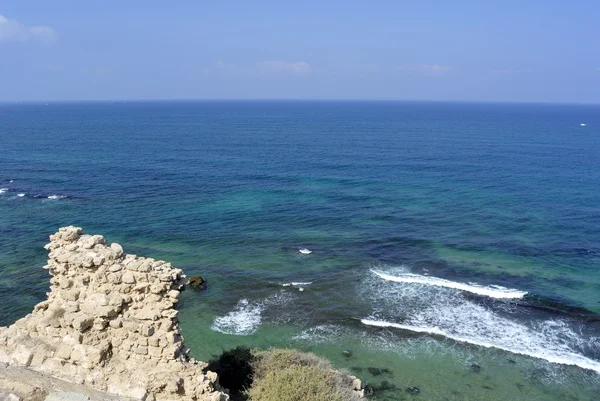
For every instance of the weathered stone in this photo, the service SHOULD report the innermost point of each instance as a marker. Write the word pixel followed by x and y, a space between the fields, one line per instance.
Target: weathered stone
pixel 82 322
pixel 109 322
pixel 117 249
pixel 116 267
pixel 128 278
pixel 146 330
pixel 22 356
pixel 63 352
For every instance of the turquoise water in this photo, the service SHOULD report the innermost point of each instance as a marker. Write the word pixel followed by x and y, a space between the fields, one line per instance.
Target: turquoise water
pixel 414 213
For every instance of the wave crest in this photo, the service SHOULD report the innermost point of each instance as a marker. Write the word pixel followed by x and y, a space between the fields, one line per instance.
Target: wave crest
pixel 492 291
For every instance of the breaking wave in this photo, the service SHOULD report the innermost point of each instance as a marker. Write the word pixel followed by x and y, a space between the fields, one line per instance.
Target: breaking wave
pixel 493 291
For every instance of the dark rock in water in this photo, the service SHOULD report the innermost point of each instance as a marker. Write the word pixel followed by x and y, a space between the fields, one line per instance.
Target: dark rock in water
pixel 378 371
pixel 413 390
pixel 374 371
pixel 357 369
pixel 368 390
pixel 197 283
pixel 475 368
pixel 386 386
pixel 387 371
pixel 512 361
pixel 347 354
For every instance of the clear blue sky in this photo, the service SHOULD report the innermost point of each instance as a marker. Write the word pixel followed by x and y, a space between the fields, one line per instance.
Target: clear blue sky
pixel 525 50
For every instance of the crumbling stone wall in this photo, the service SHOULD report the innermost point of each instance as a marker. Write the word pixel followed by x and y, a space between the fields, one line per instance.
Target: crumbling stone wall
pixel 109 322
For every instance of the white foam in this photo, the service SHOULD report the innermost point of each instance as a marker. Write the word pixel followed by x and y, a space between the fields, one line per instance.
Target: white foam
pixel 493 291
pixel 319 334
pixel 20 195
pixel 305 251
pixel 296 283
pixel 11 181
pixel 3 190
pixel 551 355
pixel 243 320
pixel 56 197
pixel 582 124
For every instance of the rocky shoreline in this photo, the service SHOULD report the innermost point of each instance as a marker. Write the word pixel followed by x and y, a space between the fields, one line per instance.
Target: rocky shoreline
pixel 108 331
pixel 109 323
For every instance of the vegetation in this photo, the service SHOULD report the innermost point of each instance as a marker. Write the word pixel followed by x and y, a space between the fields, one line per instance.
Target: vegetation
pixel 280 374
pixel 197 283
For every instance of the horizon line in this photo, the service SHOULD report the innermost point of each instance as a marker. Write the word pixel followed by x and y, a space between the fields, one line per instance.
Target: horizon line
pixel 158 100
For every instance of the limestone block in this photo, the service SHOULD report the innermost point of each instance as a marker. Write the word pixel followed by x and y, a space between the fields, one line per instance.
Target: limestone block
pixel 146 314
pixel 72 338
pixel 100 324
pixel 99 260
pixel 116 267
pixel 65 282
pixel 155 352
pixel 82 322
pixel 146 330
pixel 71 295
pixel 63 351
pixel 77 354
pixel 22 356
pixel 142 287
pixel 72 306
pixel 132 264
pixel 88 260
pixel 117 249
pixel 39 356
pixel 128 278
pixel 115 278
pixel 153 341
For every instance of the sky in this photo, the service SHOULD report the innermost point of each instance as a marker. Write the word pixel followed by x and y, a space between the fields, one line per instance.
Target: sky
pixel 459 50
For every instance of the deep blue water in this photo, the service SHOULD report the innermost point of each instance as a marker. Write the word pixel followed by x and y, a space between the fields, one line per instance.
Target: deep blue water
pixel 490 194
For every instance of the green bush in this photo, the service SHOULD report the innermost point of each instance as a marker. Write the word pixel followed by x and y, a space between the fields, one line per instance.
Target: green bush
pixel 291 375
pixel 280 375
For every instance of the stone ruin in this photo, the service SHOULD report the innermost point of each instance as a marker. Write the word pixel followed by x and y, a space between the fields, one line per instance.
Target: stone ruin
pixel 109 323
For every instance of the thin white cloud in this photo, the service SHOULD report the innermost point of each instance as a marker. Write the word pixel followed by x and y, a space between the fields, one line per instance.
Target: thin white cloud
pixel 260 69
pixel 295 68
pixel 13 30
pixel 432 69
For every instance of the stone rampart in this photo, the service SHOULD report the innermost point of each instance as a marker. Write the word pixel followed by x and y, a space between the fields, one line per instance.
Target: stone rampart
pixel 110 323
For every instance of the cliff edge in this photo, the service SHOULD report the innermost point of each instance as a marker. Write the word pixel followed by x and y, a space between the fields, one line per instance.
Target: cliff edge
pixel 109 323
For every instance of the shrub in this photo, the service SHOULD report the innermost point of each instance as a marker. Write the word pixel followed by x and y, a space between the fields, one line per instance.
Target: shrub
pixel 291 375
pixel 280 375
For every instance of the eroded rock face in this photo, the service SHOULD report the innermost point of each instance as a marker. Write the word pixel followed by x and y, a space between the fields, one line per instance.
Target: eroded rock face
pixel 109 322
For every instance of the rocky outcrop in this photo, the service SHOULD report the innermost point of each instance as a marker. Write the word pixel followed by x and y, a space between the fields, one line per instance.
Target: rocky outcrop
pixel 110 323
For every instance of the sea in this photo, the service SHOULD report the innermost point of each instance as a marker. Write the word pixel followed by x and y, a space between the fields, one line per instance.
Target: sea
pixel 438 251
